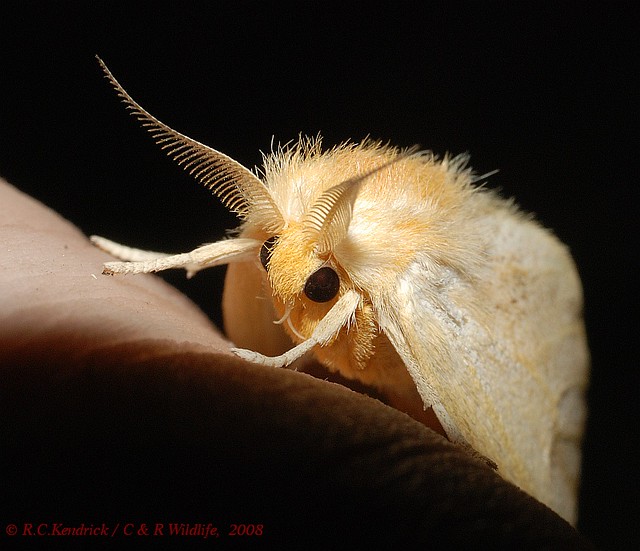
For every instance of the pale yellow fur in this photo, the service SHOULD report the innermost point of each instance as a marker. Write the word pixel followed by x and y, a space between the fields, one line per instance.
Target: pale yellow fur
pixel 444 288
pixel 482 305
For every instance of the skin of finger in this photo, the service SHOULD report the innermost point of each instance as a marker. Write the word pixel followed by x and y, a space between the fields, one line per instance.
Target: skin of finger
pixel 120 398
pixel 50 273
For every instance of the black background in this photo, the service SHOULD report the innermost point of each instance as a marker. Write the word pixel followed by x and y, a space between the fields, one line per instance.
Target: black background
pixel 545 94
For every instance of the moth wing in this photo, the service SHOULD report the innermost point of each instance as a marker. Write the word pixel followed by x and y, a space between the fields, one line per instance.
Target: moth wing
pixel 503 359
pixel 248 311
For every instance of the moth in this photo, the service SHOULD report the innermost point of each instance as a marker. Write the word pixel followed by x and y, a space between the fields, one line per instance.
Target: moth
pixel 394 268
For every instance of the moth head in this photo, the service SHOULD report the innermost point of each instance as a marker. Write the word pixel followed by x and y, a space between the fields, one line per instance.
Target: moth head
pixel 299 259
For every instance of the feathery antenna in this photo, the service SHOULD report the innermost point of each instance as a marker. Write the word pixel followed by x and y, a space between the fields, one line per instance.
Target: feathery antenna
pixel 238 188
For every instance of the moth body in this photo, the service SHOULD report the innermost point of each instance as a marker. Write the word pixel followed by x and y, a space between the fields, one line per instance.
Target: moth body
pixel 391 267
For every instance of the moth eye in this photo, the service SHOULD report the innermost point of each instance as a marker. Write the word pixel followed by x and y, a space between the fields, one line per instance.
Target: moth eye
pixel 266 250
pixel 322 285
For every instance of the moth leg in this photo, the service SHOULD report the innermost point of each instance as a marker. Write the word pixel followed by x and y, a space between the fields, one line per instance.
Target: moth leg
pixel 206 256
pixel 123 252
pixel 336 318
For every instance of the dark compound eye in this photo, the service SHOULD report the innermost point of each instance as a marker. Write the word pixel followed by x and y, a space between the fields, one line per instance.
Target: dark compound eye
pixel 322 285
pixel 266 250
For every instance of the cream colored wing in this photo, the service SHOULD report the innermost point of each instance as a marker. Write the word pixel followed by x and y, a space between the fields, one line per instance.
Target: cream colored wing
pixel 248 311
pixel 503 358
